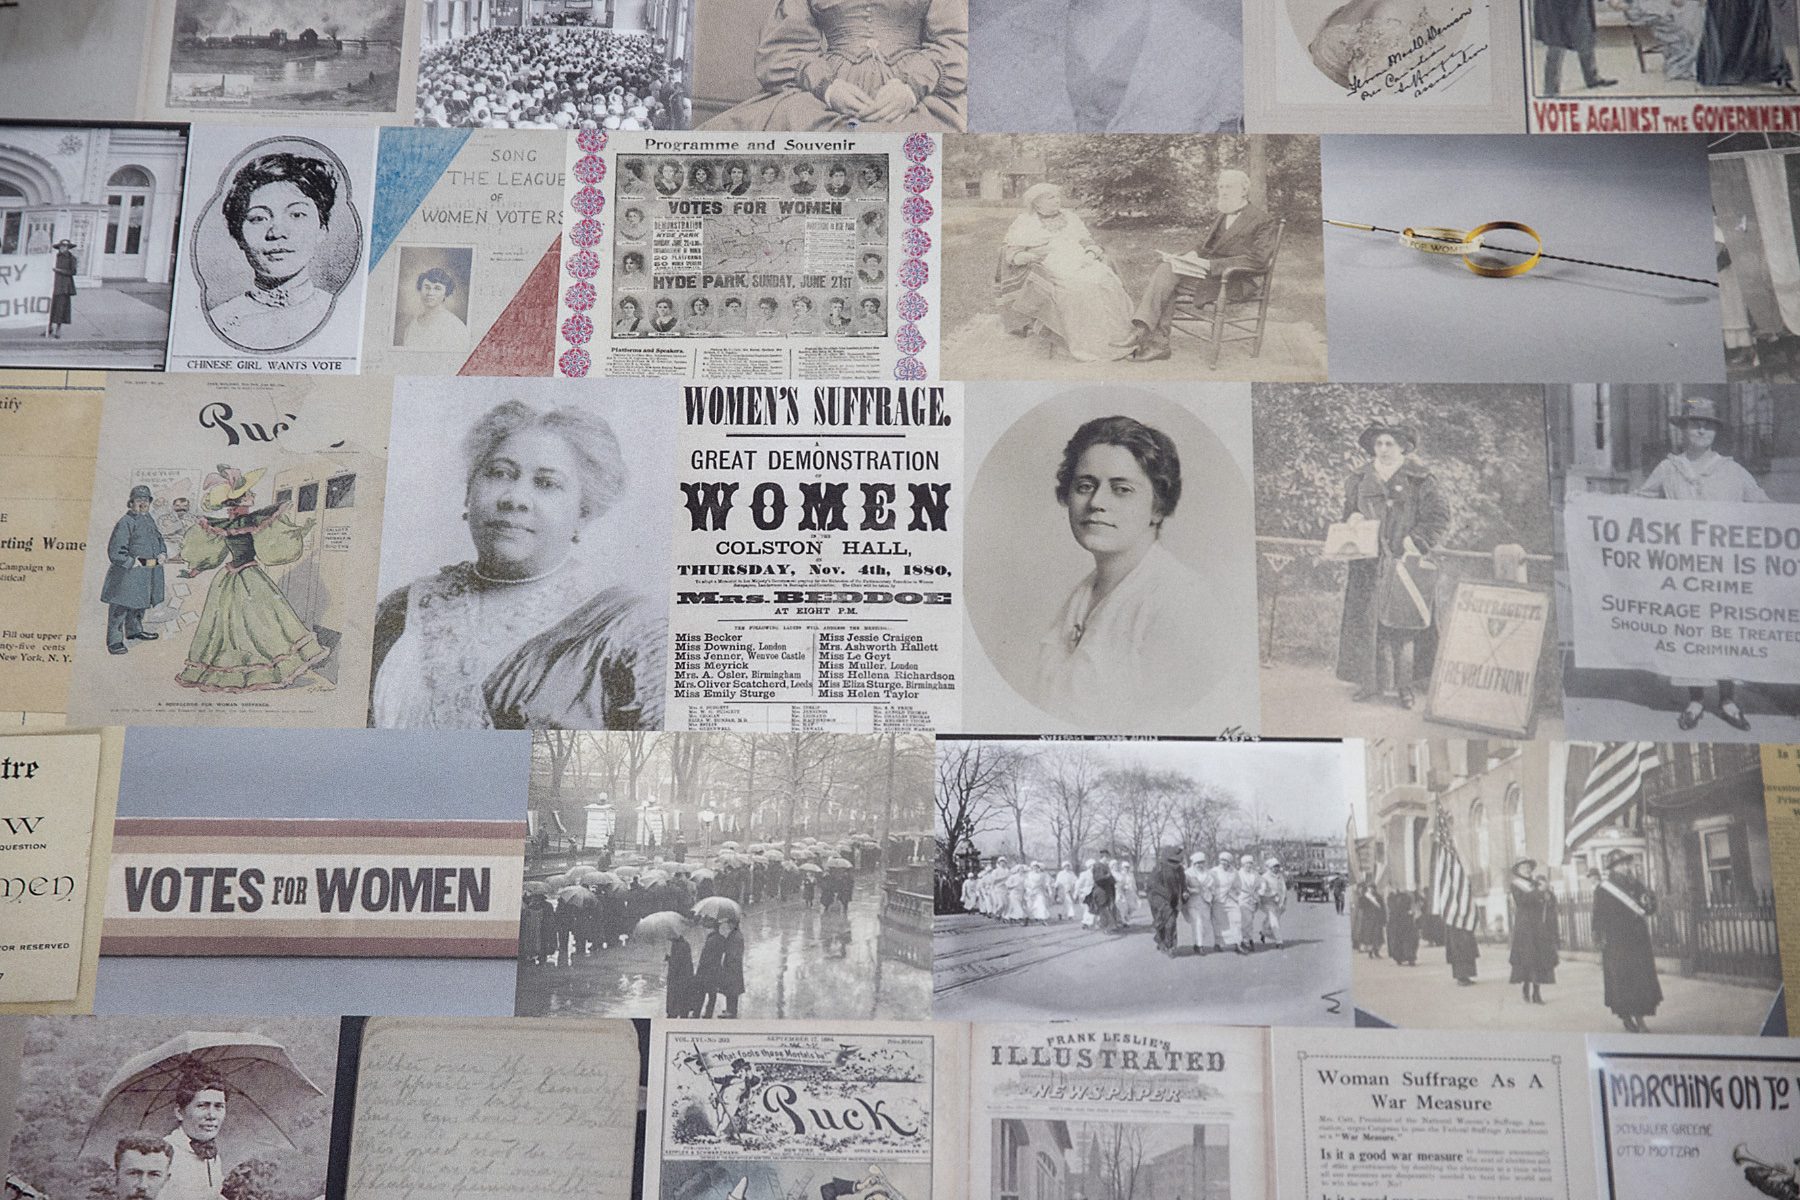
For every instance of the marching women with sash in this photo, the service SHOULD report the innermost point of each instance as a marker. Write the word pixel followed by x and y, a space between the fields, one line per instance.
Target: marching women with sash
pixel 1622 911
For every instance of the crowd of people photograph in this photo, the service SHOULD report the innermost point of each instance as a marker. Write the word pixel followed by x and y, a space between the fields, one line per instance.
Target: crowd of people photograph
pixel 553 77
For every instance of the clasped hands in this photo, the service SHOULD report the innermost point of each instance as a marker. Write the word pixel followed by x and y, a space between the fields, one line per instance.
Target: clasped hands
pixel 891 101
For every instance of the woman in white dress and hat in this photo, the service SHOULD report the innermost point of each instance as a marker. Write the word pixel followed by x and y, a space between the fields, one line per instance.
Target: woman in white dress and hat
pixel 1696 471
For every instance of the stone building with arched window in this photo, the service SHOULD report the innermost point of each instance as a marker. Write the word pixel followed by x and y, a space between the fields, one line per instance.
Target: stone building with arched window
pixel 113 190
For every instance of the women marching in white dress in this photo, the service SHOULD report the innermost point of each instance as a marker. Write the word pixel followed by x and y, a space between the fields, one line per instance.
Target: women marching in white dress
pixel 1084 884
pixel 1126 873
pixel 971 893
pixel 1199 903
pixel 1037 894
pixel 1066 881
pixel 1224 905
pixel 1015 894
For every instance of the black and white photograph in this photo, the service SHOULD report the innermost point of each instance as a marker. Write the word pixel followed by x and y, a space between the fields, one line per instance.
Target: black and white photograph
pixel 1127 256
pixel 525 562
pixel 1404 568
pixel 1758 254
pixel 1046 1157
pixel 1093 66
pixel 1635 268
pixel 727 876
pixel 1156 880
pixel 1383 66
pixel 148 1108
pixel 1680 617
pixel 1108 573
pixel 546 64
pixel 274 252
pixel 1665 56
pixel 431 298
pixel 89 216
pixel 264 57
pixel 1564 886
pixel 810 66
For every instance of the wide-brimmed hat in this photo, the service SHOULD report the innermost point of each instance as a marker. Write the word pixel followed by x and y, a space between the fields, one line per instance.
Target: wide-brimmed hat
pixel 1697 408
pixel 228 484
pixel 1400 433
pixel 1616 858
pixel 1171 854
pixel 1525 866
pixel 65 244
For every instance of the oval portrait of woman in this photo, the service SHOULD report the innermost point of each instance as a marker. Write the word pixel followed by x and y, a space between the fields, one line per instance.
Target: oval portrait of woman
pixel 278 242
pixel 1110 561
pixel 1356 43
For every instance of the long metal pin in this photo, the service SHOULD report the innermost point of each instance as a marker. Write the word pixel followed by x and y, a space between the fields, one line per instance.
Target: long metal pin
pixel 1586 262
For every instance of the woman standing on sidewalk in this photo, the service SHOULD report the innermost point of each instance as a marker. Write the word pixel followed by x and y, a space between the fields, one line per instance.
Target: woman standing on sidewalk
pixel 62 290
pixel 1535 938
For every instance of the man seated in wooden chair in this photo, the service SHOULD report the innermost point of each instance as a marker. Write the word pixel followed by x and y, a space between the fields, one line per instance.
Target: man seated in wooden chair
pixel 1242 236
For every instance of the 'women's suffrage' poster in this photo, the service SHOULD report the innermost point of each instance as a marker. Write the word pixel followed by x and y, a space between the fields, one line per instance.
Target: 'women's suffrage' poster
pixel 274 251
pixel 818 536
pixel 231 553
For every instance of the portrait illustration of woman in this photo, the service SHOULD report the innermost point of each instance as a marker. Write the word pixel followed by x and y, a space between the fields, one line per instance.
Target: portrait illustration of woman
pixel 279 208
pixel 874 64
pixel 435 327
pixel 249 638
pixel 1053 278
pixel 521 636
pixel 1387 640
pixel 1127 639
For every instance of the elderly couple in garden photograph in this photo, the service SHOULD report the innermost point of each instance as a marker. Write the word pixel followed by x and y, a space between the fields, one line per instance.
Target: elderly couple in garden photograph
pixel 1055 280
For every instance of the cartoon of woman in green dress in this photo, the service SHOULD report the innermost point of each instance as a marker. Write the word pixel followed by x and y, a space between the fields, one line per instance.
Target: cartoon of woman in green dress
pixel 249 638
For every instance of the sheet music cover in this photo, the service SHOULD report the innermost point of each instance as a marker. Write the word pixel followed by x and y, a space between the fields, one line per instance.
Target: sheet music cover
pixel 231 553
pixel 1694 1116
pixel 464 252
pixel 818 558
pixel 803 1108
pixel 1092 1109
pixel 733 256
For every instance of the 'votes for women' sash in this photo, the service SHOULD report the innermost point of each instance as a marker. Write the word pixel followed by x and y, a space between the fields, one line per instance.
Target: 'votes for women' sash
pixel 26 281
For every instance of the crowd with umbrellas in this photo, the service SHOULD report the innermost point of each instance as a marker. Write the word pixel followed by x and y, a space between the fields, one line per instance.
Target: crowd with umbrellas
pixel 201 1116
pixel 576 917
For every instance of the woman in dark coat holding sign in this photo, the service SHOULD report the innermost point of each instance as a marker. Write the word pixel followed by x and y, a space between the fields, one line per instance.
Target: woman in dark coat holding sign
pixel 1386 638
pixel 1535 936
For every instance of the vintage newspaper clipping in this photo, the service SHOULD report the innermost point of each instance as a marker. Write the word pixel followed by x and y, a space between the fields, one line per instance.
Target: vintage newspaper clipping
pixel 49 425
pixel 1119 1110
pixel 47 786
pixel 804 1109
pixel 1436 1116
pixel 818 554
pixel 515 1109
pixel 1695 1116
pixel 1781 794
pixel 732 256
pixel 231 553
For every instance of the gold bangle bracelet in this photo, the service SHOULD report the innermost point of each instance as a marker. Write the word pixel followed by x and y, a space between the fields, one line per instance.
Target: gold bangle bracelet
pixel 1493 270
pixel 1432 239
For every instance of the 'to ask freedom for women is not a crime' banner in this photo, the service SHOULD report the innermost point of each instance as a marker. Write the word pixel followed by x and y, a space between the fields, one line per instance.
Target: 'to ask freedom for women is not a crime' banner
pixel 1688 589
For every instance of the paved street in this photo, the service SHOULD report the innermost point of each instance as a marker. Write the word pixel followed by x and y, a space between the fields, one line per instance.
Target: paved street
pixel 1426 997
pixel 111 329
pixel 1621 705
pixel 1309 701
pixel 986 971
pixel 786 972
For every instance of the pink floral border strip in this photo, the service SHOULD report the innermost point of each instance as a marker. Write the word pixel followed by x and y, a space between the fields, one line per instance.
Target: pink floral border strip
pixel 579 268
pixel 915 243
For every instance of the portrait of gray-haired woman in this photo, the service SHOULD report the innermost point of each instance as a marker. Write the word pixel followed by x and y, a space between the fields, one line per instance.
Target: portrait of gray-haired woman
pixel 278 209
pixel 520 637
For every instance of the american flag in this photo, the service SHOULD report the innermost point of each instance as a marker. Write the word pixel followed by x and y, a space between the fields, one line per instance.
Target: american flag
pixel 1451 896
pixel 1613 782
